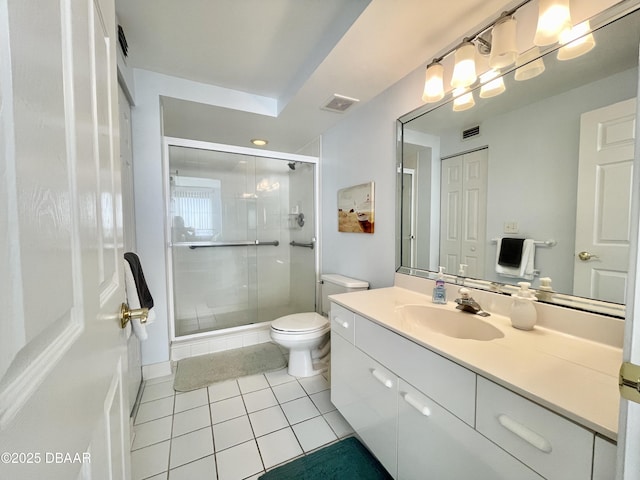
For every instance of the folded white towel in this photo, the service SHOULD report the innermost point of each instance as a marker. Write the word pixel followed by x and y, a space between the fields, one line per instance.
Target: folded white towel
pixel 139 328
pixel 526 268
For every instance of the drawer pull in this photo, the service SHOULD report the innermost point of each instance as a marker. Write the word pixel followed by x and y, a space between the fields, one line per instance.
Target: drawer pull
pixel 525 433
pixel 344 323
pixel 423 409
pixel 381 378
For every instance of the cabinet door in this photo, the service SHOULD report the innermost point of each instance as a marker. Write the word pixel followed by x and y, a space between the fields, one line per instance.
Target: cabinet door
pixel 604 459
pixel 433 443
pixel 554 446
pixel 365 393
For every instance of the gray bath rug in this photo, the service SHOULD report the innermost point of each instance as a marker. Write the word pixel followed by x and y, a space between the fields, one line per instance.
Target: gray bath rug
pixel 201 371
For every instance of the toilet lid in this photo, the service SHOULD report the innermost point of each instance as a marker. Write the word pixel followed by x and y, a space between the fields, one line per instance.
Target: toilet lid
pixel 300 322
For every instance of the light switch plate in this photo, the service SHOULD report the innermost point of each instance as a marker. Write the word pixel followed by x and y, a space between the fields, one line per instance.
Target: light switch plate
pixel 511 227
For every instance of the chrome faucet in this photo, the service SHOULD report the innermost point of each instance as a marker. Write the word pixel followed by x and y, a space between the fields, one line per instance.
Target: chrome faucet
pixel 466 303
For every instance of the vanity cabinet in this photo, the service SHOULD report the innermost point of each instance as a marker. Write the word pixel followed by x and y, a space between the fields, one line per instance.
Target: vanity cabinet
pixel 424 416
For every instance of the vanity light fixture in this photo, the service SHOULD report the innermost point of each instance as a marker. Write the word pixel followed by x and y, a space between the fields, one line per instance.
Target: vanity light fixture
pixel 554 17
pixel 529 64
pixel 499 41
pixel 462 101
pixel 434 83
pixel 259 142
pixel 492 84
pixel 577 41
pixel 503 42
pixel 464 71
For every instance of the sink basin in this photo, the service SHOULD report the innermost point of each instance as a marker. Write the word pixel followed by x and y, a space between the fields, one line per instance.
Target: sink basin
pixel 452 323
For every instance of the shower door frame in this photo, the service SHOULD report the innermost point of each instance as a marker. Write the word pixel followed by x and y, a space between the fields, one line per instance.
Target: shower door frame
pixel 169 142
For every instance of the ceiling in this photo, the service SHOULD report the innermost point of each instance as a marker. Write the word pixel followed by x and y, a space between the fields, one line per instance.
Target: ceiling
pixel 299 52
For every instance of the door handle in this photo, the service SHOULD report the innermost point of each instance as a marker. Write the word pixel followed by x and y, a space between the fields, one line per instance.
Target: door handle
pixel 585 256
pixel 127 314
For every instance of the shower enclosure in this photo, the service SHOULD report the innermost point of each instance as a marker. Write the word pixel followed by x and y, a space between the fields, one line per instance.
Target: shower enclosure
pixel 241 228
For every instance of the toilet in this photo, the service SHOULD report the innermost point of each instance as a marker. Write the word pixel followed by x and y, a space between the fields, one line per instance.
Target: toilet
pixel 306 335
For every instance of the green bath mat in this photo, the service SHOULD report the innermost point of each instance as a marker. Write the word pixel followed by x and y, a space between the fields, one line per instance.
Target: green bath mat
pixel 201 371
pixel 347 459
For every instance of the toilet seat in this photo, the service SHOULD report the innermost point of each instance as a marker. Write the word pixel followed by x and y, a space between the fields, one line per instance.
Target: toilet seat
pixel 300 323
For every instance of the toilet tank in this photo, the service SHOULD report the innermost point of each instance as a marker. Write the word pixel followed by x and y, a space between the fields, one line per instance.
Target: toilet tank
pixel 333 283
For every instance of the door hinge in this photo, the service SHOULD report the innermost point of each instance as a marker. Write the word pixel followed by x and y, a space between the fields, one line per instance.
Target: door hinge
pixel 629 382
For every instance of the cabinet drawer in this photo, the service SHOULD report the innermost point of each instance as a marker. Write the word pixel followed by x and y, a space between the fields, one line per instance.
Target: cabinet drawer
pixel 550 444
pixel 447 383
pixel 434 444
pixel 342 322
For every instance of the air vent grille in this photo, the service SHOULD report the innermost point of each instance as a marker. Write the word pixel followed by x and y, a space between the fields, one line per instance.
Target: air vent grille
pixel 471 132
pixel 123 41
pixel 339 103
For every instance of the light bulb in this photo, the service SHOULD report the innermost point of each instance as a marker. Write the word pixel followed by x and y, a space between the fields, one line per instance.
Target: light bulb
pixel 433 84
pixel 529 64
pixel 503 43
pixel 492 84
pixel 462 101
pixel 554 17
pixel 577 41
pixel 464 71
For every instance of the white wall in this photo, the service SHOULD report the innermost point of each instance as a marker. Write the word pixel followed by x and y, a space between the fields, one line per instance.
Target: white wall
pixel 360 149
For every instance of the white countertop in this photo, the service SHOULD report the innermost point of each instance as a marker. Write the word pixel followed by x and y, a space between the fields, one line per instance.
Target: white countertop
pixel 574 377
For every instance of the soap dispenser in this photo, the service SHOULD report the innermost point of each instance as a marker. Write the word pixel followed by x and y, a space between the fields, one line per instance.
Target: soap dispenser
pixel 523 311
pixel 545 291
pixel 439 291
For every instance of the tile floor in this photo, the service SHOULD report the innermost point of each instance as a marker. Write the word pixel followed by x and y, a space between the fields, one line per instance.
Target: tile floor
pixel 232 430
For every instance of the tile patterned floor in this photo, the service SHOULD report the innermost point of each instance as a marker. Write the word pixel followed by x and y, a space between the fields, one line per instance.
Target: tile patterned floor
pixel 232 430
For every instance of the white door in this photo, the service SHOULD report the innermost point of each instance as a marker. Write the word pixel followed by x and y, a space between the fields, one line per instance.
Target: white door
pixel 63 402
pixel 134 377
pixel 629 424
pixel 408 218
pixel 603 217
pixel 463 214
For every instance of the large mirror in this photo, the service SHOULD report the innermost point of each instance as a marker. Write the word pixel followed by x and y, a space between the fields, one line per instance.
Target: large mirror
pixel 533 184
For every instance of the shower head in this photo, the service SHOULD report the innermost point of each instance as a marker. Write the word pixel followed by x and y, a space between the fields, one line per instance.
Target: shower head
pixel 292 165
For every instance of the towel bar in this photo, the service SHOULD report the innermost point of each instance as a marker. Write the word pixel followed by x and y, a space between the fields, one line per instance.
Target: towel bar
pixel 538 243
pixel 256 243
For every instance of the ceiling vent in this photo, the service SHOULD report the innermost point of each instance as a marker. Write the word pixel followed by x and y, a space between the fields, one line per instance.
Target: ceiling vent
pixel 339 103
pixel 471 132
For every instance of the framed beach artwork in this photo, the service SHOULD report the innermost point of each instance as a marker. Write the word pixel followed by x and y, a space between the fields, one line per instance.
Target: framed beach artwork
pixel 356 212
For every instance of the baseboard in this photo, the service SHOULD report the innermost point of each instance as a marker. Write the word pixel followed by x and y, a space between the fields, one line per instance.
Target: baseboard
pixel 156 370
pixel 219 342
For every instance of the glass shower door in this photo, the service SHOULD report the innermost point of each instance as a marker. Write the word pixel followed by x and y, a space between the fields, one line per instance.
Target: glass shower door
pixel 230 251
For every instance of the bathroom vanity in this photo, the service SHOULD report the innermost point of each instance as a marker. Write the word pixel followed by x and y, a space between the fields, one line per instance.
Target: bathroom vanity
pixel 451 400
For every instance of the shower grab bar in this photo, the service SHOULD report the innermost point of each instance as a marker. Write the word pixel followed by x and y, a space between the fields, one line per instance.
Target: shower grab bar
pixel 298 244
pixel 256 243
